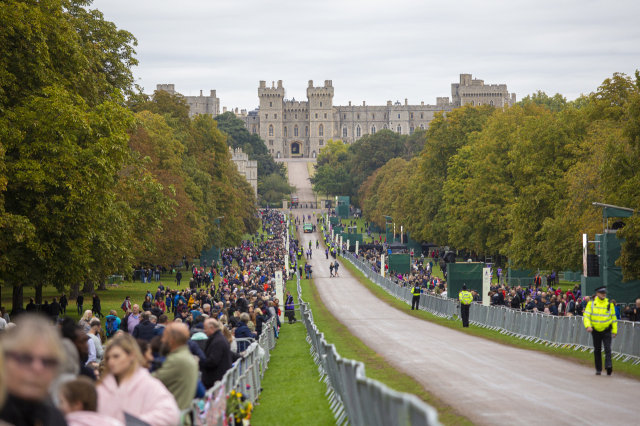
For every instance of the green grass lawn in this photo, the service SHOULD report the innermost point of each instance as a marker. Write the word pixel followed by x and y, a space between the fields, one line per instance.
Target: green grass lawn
pixel 583 358
pixel 378 368
pixel 292 391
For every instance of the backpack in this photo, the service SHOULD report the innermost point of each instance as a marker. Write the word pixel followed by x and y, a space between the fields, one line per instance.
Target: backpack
pixel 111 326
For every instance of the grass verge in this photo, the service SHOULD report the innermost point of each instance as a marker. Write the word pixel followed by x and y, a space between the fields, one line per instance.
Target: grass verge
pixel 583 358
pixel 348 346
pixel 292 391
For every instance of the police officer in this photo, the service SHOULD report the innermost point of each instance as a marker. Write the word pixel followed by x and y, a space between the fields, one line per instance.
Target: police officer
pixel 600 320
pixel 465 298
pixel 299 253
pixel 415 300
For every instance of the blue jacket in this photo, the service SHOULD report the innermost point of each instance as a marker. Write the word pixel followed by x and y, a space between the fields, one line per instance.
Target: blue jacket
pixel 117 324
pixel 242 331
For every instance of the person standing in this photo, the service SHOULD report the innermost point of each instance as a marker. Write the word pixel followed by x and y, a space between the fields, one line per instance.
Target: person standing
pixel 97 308
pixel 54 311
pixel 79 303
pixel 415 300
pixel 600 320
pixel 289 309
pixel 217 354
pixel 179 372
pixel 178 277
pixel 465 298
pixel 63 304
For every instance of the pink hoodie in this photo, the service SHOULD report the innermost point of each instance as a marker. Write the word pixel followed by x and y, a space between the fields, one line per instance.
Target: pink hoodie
pixel 90 418
pixel 142 396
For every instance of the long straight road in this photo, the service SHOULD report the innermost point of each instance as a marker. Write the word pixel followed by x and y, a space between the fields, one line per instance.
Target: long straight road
pixel 489 383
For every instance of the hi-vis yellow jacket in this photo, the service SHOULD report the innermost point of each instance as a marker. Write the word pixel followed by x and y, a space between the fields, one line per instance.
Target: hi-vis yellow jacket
pixel 599 314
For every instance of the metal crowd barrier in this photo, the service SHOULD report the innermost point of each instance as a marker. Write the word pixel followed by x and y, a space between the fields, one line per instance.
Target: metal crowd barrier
pixel 355 399
pixel 244 376
pixel 564 332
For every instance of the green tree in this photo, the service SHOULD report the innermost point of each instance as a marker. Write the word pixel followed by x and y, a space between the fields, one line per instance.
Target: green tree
pixel 554 103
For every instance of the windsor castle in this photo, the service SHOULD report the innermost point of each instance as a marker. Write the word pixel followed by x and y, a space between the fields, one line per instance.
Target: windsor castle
pixel 292 128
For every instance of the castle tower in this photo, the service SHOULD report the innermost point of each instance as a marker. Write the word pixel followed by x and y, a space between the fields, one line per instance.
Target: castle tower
pixel 320 116
pixel 271 110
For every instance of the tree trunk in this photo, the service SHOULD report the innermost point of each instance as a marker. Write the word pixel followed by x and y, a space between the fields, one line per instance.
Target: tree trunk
pixel 103 283
pixel 74 292
pixel 39 294
pixel 17 299
pixel 88 287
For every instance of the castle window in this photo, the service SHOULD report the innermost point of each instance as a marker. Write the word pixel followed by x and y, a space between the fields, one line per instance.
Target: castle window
pixel 321 142
pixel 344 131
pixel 254 129
pixel 491 103
pixel 266 116
pixel 321 104
pixel 399 128
pixel 306 130
pixel 275 116
pixel 316 116
pixel 358 116
pixel 344 116
pixel 270 104
pixel 295 116
pixel 285 116
pixel 321 130
pixel 313 154
pixel 270 143
pixel 411 130
pixel 384 126
pixel 358 131
pixel 373 116
pixel 412 116
pixel 325 115
pixel 270 129
pixel 471 103
pixel 398 116
pixel 285 131
pixel 373 129
pixel 385 116
pixel 421 115
pixel 295 130
pixel 422 126
pixel 307 116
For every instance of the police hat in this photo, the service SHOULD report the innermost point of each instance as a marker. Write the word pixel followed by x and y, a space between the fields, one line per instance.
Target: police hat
pixel 464 286
pixel 602 289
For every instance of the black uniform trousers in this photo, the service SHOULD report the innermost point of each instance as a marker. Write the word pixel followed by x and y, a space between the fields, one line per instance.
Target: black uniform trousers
pixel 464 314
pixel 415 301
pixel 600 337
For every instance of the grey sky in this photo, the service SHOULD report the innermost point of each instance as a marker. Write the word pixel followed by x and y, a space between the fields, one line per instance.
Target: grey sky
pixel 376 50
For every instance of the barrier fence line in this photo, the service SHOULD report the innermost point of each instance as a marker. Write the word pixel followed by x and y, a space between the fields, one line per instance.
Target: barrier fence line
pixel 564 332
pixel 355 399
pixel 244 376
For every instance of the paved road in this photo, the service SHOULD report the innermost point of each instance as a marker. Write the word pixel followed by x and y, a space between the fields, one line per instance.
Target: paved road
pixel 491 384
pixel 299 176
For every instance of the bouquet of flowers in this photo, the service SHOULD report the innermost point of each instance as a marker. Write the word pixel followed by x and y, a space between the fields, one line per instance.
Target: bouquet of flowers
pixel 239 408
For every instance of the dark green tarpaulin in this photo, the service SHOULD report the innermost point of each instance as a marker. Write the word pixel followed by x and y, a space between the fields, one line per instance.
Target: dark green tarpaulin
pixel 210 255
pixel 400 263
pixel 621 292
pixel 464 273
pixel 351 237
pixel 614 212
pixel 334 220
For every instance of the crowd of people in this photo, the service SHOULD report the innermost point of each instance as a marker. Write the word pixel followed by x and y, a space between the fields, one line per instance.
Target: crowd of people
pixel 151 359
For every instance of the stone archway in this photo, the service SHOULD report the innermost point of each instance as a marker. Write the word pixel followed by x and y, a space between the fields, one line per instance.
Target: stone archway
pixel 296 149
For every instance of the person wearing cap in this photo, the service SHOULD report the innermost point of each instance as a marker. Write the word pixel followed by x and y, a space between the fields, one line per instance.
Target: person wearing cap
pixel 415 300
pixel 465 298
pixel 600 320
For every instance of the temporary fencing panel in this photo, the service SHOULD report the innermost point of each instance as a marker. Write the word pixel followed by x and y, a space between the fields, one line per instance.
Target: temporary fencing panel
pixel 400 263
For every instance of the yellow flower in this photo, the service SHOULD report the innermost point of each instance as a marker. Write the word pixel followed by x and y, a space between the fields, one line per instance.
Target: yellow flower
pixel 233 392
pixel 239 395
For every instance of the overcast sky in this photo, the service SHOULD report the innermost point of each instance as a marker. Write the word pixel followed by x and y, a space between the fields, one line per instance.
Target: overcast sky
pixel 375 50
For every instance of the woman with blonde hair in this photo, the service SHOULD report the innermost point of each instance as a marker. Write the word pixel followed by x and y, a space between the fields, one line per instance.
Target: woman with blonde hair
pixel 232 341
pixel 86 320
pixel 33 355
pixel 127 387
